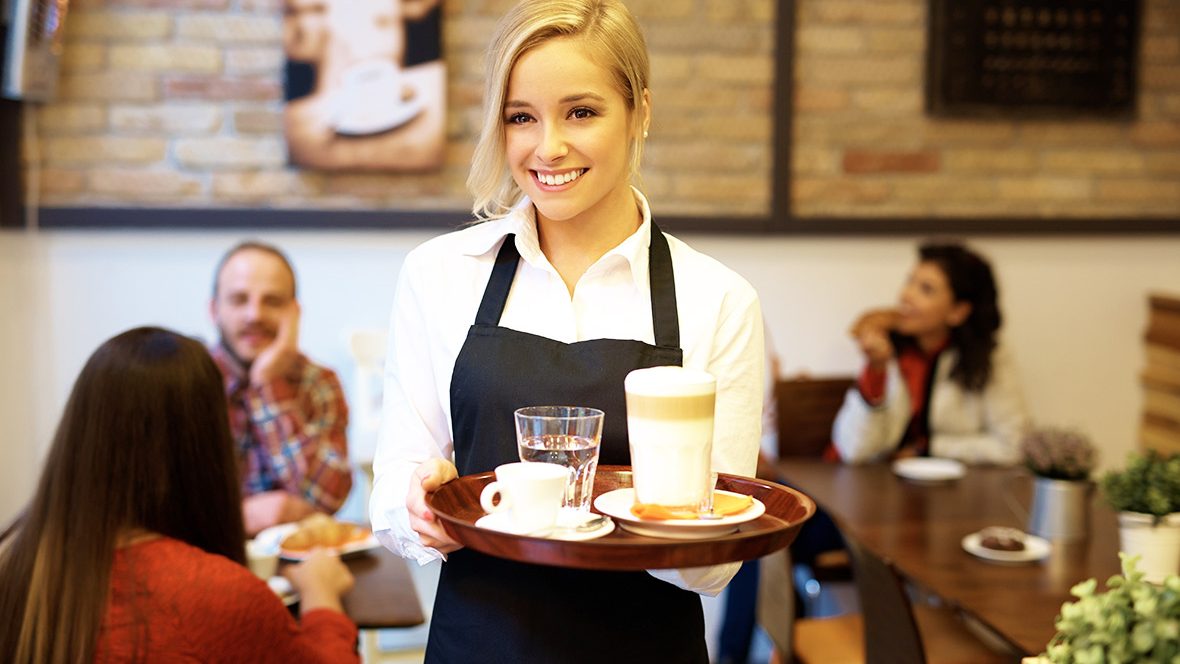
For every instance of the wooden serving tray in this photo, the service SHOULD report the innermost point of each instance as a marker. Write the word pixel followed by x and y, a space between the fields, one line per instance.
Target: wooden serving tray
pixel 457 506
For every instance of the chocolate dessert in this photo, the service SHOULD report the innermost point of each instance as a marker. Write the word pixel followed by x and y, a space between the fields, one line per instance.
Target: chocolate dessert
pixel 1002 539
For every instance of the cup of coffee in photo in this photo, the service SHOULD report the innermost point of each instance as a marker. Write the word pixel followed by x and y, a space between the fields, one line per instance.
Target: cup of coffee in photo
pixel 530 493
pixel 670 427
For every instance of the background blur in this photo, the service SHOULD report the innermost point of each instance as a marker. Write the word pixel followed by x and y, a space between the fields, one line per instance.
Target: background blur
pixel 179 104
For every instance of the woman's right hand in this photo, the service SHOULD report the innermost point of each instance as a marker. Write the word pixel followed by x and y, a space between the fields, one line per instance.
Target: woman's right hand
pixel 322 579
pixel 871 332
pixel 428 476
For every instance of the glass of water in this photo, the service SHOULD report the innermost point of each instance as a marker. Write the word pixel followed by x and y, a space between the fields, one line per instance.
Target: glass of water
pixel 569 436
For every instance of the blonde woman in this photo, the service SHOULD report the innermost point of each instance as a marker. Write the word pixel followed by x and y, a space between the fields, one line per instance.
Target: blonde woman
pixel 565 287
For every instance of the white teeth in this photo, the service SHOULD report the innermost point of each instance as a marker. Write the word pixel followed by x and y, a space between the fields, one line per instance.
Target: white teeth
pixel 554 180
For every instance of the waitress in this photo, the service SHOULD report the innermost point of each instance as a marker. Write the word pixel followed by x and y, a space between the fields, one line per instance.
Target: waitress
pixel 564 287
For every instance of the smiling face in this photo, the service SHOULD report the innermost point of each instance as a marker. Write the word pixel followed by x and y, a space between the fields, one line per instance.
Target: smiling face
pixel 568 132
pixel 927 305
pixel 254 289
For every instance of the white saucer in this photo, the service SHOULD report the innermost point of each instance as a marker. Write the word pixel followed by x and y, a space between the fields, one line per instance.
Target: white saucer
pixel 929 469
pixel 368 121
pixel 283 588
pixel 1035 548
pixel 274 536
pixel 618 504
pixel 499 522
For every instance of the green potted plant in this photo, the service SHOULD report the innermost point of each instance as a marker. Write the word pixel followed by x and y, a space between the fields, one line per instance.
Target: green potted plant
pixel 1061 461
pixel 1132 621
pixel 1147 496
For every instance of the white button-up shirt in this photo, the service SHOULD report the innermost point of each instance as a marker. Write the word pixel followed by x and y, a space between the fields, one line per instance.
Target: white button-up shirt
pixel 439 291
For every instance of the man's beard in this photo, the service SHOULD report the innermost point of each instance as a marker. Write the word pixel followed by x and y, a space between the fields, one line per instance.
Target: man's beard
pixel 225 345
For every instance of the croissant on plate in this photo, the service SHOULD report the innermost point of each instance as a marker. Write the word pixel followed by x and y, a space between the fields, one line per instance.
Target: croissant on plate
pixel 320 530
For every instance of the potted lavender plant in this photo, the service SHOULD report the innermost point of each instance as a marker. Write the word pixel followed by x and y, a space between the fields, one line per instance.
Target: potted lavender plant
pixel 1061 461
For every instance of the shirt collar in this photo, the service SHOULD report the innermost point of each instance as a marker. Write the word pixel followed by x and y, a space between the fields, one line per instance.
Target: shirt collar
pixel 522 222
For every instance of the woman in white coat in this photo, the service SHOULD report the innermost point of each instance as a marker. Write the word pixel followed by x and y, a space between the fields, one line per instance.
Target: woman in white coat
pixel 936 381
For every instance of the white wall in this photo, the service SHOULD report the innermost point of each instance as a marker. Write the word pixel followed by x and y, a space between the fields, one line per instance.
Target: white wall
pixel 1075 308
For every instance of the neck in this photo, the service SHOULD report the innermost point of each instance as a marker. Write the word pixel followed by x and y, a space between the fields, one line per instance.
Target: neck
pixel 932 342
pixel 130 536
pixel 573 245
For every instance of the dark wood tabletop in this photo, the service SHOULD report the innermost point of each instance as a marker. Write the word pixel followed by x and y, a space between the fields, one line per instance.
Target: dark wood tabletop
pixel 919 527
pixel 384 594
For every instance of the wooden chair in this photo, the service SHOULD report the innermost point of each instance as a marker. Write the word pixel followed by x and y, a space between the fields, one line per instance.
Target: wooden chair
pixel 889 629
pixel 806 409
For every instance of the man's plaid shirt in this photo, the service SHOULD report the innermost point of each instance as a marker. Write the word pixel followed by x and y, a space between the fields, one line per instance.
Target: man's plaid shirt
pixel 291 433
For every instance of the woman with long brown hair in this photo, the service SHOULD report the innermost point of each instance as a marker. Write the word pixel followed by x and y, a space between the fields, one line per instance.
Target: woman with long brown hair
pixel 132 547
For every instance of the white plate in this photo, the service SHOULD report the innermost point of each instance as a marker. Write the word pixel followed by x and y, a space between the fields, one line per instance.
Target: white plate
pixel 1035 548
pixel 499 522
pixel 929 469
pixel 618 504
pixel 283 588
pixel 274 535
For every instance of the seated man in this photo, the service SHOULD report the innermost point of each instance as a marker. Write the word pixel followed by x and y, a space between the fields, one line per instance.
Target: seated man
pixel 287 414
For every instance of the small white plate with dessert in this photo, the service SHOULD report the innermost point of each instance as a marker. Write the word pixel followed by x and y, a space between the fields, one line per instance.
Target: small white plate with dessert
pixel 1006 545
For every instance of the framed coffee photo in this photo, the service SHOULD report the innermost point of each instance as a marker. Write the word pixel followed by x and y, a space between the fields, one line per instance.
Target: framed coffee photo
pixel 364 85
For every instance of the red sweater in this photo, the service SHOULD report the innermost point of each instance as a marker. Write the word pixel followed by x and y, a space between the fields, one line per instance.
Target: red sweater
pixel 186 605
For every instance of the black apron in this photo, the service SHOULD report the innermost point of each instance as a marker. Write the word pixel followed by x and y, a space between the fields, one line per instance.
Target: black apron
pixel 494 610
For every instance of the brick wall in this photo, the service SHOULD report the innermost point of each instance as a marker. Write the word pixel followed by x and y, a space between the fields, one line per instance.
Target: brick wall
pixel 178 103
pixel 864 147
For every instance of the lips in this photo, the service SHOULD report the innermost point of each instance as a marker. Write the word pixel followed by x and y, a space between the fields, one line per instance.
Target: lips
pixel 256 336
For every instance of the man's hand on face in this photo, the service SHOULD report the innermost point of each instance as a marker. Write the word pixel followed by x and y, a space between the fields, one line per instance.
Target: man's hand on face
pixel 269 508
pixel 278 358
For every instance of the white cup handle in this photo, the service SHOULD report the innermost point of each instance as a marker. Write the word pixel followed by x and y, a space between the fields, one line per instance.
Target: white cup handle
pixel 488 494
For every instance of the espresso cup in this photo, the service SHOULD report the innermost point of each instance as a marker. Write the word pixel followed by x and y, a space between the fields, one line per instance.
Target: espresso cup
pixel 670 427
pixel 530 492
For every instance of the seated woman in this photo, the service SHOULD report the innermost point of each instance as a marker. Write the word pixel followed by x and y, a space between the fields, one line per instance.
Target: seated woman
pixel 936 381
pixel 132 548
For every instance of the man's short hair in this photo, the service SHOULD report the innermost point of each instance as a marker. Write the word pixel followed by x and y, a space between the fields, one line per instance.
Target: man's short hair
pixel 256 246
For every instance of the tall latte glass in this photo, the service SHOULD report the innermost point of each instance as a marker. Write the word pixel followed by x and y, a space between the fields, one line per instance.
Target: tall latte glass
pixel 670 427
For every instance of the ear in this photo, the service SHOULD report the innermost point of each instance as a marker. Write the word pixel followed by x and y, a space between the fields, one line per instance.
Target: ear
pixel 958 314
pixel 213 310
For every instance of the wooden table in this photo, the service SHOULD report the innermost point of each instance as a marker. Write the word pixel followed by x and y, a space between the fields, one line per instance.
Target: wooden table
pixel 384 594
pixel 919 528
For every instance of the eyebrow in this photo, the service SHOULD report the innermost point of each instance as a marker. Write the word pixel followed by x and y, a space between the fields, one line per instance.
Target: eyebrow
pixel 568 99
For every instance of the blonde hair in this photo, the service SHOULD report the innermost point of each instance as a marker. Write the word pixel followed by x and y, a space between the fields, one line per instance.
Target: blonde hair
pixel 607 27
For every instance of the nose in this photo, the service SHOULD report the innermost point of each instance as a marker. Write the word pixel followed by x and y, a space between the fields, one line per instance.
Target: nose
pixel 253 309
pixel 552 146
pixel 907 293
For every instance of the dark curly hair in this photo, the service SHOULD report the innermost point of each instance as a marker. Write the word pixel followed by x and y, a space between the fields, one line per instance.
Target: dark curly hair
pixel 971 280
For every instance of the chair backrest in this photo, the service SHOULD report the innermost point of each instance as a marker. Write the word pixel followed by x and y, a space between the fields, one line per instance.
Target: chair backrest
pixel 806 409
pixel 367 349
pixel 891 633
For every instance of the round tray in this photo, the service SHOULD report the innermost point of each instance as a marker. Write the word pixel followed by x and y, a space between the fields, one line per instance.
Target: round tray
pixel 456 504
